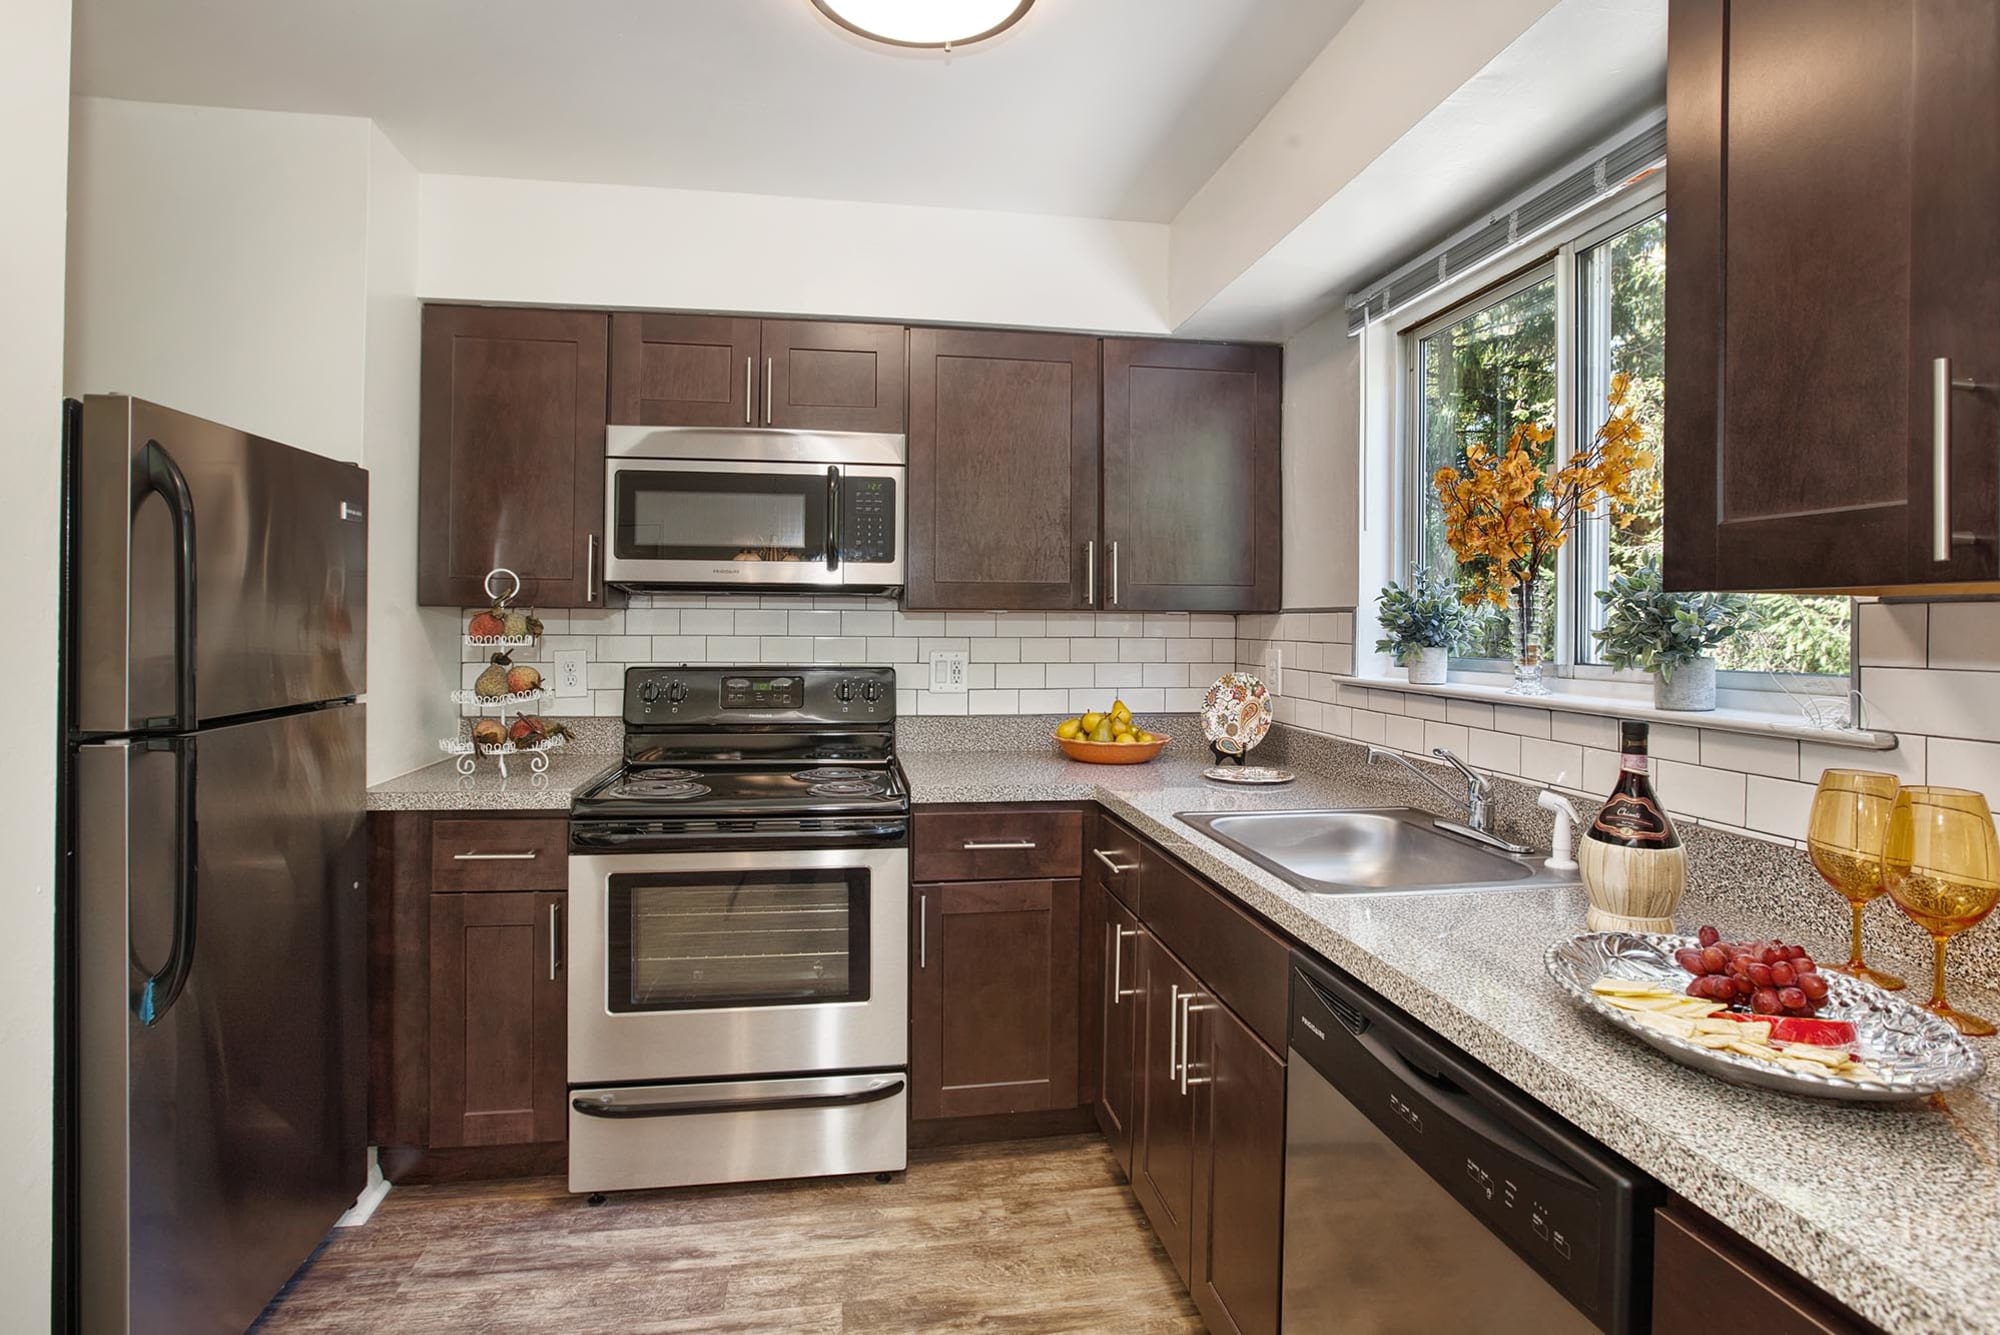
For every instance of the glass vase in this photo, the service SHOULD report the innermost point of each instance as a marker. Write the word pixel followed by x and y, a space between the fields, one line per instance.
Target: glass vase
pixel 1527 643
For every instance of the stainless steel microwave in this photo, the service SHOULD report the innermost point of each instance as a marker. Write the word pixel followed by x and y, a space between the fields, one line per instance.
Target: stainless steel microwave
pixel 702 508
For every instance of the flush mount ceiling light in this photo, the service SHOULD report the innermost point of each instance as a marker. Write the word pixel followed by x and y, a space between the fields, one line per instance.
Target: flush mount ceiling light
pixel 935 24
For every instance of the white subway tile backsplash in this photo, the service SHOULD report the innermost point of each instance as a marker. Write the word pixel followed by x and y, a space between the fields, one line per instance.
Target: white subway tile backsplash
pixel 1071 623
pixel 1450 736
pixel 1894 634
pixel 1583 729
pixel 1525 722
pixel 1184 701
pixel 1706 794
pixel 1167 625
pixel 1777 806
pixel 1961 764
pixel 1404 733
pixel 762 622
pixel 1163 674
pixel 943 644
pixel 1935 703
pixel 891 649
pixel 816 623
pixel 867 623
pixel 734 649
pixel 1042 649
pixel 677 649
pixel 785 648
pixel 622 648
pixel 1015 676
pixel 1670 741
pixel 1093 651
pixel 1117 624
pixel 1426 707
pixel 931 702
pixel 1021 624
pixel 652 621
pixel 851 650
pixel 1906 761
pixel 1498 751
pixel 1141 651
pixel 1369 726
pixel 1201 623
pixel 993 702
pixel 1045 702
pixel 1775 757
pixel 1187 651
pixel 1551 762
pixel 968 623
pixel 993 649
pixel 1965 635
pixel 1120 674
pixel 1070 674
pixel 707 621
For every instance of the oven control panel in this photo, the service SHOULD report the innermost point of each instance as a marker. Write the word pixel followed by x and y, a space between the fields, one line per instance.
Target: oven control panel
pixel 731 696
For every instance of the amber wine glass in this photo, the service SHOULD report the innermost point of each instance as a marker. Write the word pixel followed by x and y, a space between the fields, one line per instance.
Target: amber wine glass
pixel 1942 863
pixel 1845 836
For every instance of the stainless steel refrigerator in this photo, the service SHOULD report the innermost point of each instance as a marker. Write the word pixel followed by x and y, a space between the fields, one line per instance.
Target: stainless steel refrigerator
pixel 213 944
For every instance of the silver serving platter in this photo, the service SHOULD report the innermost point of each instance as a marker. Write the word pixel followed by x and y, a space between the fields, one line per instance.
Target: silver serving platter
pixel 1248 774
pixel 1915 1052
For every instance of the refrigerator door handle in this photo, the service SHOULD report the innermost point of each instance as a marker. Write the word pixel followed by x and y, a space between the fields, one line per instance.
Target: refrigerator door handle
pixel 162 987
pixel 160 475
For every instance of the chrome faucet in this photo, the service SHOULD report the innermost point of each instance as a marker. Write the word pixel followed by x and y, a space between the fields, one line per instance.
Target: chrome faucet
pixel 1478 797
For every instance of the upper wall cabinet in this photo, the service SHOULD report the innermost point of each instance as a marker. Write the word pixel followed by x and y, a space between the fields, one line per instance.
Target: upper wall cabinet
pixel 1833 270
pixel 512 454
pixel 719 370
pixel 1003 469
pixel 1191 476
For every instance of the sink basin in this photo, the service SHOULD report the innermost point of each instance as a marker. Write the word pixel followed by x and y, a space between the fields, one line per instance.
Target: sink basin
pixel 1375 850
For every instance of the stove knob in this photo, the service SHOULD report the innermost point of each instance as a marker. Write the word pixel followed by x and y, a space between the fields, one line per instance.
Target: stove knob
pixel 677 691
pixel 872 692
pixel 650 691
pixel 844 692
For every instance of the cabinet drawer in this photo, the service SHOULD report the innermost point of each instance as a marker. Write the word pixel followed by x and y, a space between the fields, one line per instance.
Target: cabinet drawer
pixel 1112 860
pixel 1700 1269
pixel 1240 961
pixel 492 854
pixel 1002 844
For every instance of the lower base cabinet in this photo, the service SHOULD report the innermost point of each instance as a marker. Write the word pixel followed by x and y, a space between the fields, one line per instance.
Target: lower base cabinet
pixel 1163 1151
pixel 993 998
pixel 1118 1007
pixel 499 1016
pixel 1701 1269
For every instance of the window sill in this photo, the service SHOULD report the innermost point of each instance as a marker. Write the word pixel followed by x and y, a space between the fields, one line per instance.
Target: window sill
pixel 1579 702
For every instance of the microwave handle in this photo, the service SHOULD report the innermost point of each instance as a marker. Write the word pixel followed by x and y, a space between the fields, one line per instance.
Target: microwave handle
pixel 832 517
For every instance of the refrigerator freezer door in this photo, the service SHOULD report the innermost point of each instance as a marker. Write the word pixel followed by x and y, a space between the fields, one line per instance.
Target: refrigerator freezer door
pixel 220 1141
pixel 260 548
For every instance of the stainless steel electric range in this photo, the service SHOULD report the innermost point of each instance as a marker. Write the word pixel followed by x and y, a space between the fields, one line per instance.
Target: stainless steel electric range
pixel 738 933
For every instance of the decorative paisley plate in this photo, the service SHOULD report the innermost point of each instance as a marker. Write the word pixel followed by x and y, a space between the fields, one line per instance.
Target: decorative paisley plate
pixel 1912 1052
pixel 1236 713
pixel 1247 774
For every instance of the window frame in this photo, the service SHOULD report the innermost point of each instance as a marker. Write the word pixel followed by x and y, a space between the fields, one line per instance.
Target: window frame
pixel 1559 255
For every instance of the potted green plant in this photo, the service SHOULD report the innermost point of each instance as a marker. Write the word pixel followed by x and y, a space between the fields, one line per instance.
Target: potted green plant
pixel 1420 624
pixel 1669 635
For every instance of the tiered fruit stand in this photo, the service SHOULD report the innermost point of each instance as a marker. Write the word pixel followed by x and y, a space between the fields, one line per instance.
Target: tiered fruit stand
pixel 462 745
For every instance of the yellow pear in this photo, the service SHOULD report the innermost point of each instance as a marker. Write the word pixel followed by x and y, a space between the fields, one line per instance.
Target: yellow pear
pixel 1069 728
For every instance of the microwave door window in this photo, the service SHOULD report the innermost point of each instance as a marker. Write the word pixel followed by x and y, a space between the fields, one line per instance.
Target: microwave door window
pixel 691 516
pixel 708 942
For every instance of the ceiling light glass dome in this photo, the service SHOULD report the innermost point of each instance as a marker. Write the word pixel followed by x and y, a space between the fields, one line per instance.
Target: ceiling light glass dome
pixel 925 23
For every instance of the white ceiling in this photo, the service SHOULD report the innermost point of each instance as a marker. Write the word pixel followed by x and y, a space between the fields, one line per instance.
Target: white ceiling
pixel 1092 108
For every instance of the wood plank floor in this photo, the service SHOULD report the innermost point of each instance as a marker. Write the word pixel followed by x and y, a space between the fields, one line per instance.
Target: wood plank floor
pixel 1022 1237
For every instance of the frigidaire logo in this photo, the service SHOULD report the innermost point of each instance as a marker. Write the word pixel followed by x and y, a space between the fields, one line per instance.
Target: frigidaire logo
pixel 1316 1031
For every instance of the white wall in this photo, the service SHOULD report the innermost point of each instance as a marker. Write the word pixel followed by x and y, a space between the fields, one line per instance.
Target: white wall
pixel 412 651
pixel 259 268
pixel 1322 475
pixel 34 106
pixel 216 265
pixel 488 239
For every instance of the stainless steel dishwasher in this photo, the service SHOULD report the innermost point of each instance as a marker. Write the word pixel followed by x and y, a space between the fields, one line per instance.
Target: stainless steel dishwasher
pixel 1422 1194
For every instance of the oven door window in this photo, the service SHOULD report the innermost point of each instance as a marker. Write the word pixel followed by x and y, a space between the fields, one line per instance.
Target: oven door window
pixel 675 515
pixel 708 941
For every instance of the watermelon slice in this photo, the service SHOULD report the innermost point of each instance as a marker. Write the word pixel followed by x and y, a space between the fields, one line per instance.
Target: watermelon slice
pixel 1836 1034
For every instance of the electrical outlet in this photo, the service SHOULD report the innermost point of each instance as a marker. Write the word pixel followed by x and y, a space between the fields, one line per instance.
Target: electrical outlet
pixel 948 673
pixel 570 673
pixel 1274 670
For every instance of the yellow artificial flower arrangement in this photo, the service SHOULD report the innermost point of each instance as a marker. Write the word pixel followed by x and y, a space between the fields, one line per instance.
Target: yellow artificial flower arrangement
pixel 1505 514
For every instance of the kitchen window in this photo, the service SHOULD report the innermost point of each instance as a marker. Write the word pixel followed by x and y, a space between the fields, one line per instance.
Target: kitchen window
pixel 1543 346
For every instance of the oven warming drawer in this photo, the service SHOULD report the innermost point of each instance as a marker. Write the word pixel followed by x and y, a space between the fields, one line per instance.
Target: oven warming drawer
pixel 737 1131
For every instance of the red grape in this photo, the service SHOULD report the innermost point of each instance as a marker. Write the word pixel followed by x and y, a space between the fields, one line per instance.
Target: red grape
pixel 1765 1002
pixel 1782 974
pixel 1804 965
pixel 1760 974
pixel 1708 936
pixel 1770 955
pixel 1792 999
pixel 1689 958
pixel 1813 986
pixel 1713 960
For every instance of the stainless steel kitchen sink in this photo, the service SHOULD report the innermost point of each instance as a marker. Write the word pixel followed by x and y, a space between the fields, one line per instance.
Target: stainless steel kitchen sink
pixel 1371 850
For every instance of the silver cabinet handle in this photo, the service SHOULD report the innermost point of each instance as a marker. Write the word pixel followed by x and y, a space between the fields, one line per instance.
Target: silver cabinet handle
pixel 529 856
pixel 555 918
pixel 590 571
pixel 977 845
pixel 749 388
pixel 1943 539
pixel 1188 1008
pixel 1117 869
pixel 770 364
pixel 1114 574
pixel 923 931
pixel 1090 573
pixel 1173 1026
pixel 1118 989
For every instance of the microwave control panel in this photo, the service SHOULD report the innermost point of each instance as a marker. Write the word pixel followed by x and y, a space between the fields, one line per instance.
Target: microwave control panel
pixel 868 520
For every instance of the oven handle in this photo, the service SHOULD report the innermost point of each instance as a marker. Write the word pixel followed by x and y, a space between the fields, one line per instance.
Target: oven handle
pixel 600 1108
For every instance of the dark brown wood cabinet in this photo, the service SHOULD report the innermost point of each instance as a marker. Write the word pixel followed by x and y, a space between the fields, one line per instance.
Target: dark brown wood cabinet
pixel 1239 1183
pixel 1163 1150
pixel 1700 1269
pixel 498 1019
pixel 1004 461
pixel 1832 268
pixel 1192 476
pixel 511 467
pixel 1119 1000
pixel 723 370
pixel 993 998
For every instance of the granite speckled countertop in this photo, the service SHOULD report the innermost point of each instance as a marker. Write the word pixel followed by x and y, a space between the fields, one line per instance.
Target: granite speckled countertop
pixel 1894 1210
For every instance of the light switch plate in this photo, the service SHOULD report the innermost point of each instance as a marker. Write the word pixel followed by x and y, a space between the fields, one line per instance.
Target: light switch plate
pixel 570 673
pixel 1274 670
pixel 948 672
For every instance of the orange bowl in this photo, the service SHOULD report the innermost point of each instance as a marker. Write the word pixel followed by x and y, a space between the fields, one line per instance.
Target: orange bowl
pixel 1111 753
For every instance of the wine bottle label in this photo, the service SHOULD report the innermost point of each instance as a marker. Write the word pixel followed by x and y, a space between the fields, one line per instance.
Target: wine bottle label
pixel 1634 818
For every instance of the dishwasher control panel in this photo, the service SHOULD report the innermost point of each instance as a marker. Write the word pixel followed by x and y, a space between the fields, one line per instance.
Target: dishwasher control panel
pixel 1567 1207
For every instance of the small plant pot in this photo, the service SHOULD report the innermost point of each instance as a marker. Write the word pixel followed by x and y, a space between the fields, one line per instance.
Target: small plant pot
pixel 1691 688
pixel 1427 666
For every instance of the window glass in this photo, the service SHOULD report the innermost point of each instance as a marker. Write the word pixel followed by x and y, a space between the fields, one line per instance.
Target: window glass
pixel 1477 378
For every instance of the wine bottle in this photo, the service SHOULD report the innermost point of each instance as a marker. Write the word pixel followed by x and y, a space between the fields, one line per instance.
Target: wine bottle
pixel 1631 858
